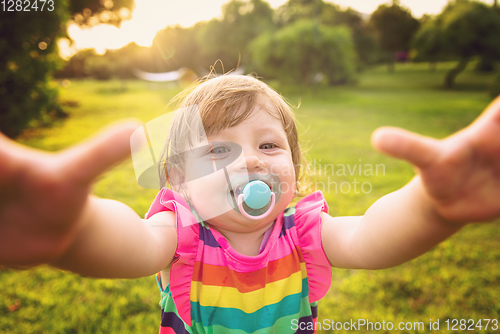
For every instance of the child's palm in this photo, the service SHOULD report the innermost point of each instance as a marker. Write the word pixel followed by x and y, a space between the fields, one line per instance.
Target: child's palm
pixel 42 195
pixel 462 172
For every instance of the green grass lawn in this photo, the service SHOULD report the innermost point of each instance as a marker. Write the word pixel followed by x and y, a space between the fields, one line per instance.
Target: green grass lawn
pixel 459 279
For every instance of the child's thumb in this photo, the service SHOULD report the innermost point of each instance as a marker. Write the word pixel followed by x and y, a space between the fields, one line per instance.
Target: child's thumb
pixel 419 150
pixel 84 162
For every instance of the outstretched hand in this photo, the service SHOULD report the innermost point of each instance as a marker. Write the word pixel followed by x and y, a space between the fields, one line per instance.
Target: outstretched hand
pixel 43 195
pixel 461 173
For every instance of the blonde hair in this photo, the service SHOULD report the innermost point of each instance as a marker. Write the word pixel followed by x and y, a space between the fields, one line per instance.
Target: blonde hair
pixel 221 103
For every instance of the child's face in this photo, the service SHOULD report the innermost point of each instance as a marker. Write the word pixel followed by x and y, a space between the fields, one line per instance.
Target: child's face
pixel 264 150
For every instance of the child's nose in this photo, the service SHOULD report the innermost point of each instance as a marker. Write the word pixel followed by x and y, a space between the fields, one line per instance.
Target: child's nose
pixel 251 162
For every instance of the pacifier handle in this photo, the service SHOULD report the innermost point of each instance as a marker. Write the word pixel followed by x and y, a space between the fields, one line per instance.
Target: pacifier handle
pixel 264 215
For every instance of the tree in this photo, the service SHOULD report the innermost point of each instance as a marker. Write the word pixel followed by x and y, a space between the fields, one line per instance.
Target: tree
pixel 29 56
pixel 331 15
pixel 295 10
pixel 75 66
pixel 301 51
pixel 91 12
pixel 464 29
pixel 174 47
pixel 428 43
pixel 470 29
pixel 364 40
pixel 395 27
pixel 228 39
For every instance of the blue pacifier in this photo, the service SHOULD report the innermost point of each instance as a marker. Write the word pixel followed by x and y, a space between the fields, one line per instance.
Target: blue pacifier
pixel 254 196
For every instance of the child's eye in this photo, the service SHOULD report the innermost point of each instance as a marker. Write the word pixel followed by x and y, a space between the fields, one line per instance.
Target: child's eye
pixel 268 146
pixel 219 150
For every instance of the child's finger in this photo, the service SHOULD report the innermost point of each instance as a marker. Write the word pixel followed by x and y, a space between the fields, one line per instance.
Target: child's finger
pixel 90 159
pixel 490 114
pixel 419 150
pixel 14 155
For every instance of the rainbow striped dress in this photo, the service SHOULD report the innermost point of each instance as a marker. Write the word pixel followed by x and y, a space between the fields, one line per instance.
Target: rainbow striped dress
pixel 214 289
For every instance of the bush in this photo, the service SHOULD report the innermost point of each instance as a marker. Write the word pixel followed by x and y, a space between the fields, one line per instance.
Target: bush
pixel 100 67
pixel 28 56
pixel 299 52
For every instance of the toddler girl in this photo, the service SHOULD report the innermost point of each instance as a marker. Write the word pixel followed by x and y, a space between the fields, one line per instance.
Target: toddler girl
pixel 236 273
pixel 229 262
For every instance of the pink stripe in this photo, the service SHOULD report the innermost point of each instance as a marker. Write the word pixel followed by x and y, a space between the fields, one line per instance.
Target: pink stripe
pixel 217 257
pixel 167 330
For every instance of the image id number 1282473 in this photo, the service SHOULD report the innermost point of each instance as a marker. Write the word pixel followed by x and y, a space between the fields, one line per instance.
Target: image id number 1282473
pixel 27 5
pixel 470 324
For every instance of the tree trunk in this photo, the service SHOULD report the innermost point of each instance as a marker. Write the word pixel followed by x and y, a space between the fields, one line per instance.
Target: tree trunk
pixel 452 74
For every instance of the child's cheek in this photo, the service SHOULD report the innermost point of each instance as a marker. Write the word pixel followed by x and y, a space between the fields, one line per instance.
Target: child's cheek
pixel 209 195
pixel 286 173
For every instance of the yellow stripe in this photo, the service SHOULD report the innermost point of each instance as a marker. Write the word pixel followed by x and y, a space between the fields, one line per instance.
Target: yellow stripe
pixel 211 295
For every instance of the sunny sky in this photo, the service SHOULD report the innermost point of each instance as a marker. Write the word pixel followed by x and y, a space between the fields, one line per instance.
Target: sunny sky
pixel 150 16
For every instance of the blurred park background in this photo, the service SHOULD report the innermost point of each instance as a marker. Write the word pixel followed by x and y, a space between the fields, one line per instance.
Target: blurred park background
pixel 350 72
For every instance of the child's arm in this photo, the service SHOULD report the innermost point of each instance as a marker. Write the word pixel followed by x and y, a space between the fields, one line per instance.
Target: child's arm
pixel 397 228
pixel 458 183
pixel 114 242
pixel 48 216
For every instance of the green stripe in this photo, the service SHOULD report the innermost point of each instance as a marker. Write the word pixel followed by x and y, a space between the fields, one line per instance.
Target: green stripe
pixel 282 326
pixel 296 306
pixel 167 305
pixel 289 212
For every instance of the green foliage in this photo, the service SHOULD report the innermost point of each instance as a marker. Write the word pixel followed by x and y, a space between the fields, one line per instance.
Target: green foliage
pixel 28 55
pixel 174 47
pixel 228 39
pixel 200 46
pixel 485 64
pixel 118 63
pixel 495 87
pixel 298 52
pixel 28 58
pixel 329 14
pixel 92 12
pixel 428 42
pixel 100 68
pixel 295 10
pixel 464 29
pixel 395 27
pixel 75 66
pixel 98 6
pixel 364 39
pixel 470 28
